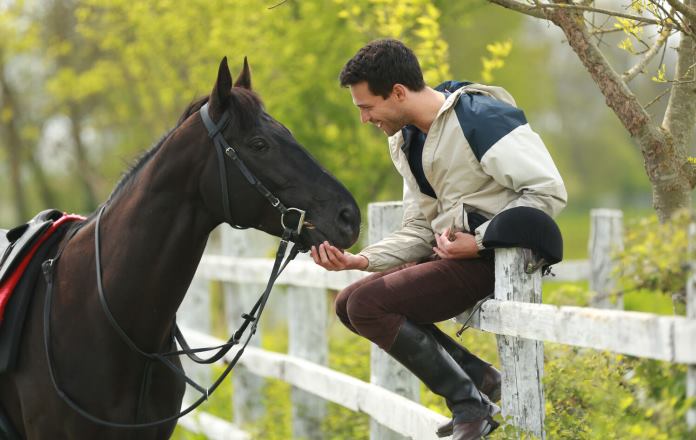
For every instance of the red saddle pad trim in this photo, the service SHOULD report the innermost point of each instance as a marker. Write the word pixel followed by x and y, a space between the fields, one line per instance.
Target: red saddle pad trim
pixel 8 286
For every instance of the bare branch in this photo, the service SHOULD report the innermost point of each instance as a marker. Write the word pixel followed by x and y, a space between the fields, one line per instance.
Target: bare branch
pixel 685 10
pixel 657 98
pixel 278 4
pixel 523 8
pixel 649 55
pixel 637 18
pixel 540 10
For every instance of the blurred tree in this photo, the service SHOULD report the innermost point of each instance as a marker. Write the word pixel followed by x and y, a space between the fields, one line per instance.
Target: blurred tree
pixel 154 57
pixel 663 144
pixel 16 127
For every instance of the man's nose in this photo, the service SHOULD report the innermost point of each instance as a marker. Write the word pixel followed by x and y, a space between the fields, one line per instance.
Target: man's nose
pixel 364 116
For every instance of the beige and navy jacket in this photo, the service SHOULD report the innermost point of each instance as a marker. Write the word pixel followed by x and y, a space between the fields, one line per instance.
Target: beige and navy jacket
pixel 479 158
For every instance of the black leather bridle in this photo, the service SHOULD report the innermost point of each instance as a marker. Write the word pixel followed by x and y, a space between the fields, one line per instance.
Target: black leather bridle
pixel 290 234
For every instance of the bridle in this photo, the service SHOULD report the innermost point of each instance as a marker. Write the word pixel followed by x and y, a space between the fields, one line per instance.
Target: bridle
pixel 222 148
pixel 290 234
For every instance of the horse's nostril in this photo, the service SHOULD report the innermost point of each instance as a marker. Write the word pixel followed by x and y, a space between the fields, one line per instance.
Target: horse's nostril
pixel 347 216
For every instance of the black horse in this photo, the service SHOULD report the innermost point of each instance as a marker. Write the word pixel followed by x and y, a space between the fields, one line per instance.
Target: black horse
pixel 153 228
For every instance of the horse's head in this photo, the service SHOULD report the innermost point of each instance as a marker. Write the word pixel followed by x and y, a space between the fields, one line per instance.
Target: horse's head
pixel 273 156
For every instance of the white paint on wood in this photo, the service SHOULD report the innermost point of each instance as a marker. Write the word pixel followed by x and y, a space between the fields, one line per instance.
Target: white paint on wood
pixel 639 334
pixel 239 298
pixel 383 219
pixel 606 238
pixel 212 427
pixel 256 270
pixel 303 273
pixel 194 312
pixel 570 271
pixel 398 413
pixel 522 360
pixel 691 314
pixel 307 332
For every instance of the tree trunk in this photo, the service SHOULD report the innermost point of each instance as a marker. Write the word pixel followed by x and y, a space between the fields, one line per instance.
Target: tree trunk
pixel 665 163
pixel 13 146
pixel 48 199
pixel 84 167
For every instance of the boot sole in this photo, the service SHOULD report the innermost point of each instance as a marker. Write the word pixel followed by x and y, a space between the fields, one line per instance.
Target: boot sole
pixel 448 429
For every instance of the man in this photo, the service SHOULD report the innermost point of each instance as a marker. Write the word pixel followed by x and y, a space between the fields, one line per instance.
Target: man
pixel 465 153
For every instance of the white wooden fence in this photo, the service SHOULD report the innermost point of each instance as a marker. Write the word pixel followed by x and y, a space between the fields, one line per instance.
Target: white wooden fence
pixel 515 315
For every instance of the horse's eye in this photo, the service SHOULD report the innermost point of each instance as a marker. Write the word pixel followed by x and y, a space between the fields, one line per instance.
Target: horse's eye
pixel 258 144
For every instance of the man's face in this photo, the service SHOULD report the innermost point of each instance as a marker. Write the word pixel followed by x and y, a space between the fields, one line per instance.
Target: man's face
pixel 386 114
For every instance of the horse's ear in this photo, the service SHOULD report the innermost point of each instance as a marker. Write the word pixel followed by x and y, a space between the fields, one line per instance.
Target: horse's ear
pixel 223 86
pixel 244 79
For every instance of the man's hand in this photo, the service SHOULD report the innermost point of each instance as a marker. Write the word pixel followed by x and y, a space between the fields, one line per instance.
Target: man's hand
pixel 332 258
pixel 463 246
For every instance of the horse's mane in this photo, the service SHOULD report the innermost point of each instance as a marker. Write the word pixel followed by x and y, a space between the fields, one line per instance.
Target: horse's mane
pixel 243 98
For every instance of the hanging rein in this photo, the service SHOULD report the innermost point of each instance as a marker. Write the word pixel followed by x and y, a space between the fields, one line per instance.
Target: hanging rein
pixel 251 319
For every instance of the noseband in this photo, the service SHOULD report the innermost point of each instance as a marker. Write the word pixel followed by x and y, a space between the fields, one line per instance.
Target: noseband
pixel 290 234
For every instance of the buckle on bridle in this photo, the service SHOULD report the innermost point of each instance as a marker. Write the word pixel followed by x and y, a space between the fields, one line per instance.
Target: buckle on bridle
pixel 300 221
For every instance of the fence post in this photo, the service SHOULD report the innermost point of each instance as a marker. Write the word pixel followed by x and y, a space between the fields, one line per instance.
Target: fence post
pixel 194 313
pixel 384 218
pixel 522 359
pixel 247 402
pixel 606 237
pixel 691 314
pixel 307 333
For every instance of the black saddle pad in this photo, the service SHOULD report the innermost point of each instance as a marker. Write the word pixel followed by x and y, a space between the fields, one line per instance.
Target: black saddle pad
pixel 16 309
pixel 21 239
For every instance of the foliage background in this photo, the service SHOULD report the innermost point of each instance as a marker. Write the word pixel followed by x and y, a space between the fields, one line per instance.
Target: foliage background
pixel 86 86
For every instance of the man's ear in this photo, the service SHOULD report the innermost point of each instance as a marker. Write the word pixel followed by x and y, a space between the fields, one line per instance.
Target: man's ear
pixel 244 78
pixel 222 91
pixel 399 91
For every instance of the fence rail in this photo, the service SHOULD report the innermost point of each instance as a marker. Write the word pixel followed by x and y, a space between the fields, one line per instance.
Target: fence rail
pixel 515 315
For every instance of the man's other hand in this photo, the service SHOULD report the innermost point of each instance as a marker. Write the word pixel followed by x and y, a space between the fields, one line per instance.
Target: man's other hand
pixel 332 258
pixel 463 246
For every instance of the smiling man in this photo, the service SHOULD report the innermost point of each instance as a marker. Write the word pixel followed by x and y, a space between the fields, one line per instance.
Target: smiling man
pixel 466 153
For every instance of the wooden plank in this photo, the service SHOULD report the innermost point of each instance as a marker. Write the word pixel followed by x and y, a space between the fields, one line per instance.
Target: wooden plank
pixel 256 270
pixel 303 273
pixel 570 271
pixel 522 360
pixel 383 219
pixel 638 334
pixel 606 237
pixel 398 413
pixel 212 427
pixel 194 312
pixel 307 333
pixel 239 298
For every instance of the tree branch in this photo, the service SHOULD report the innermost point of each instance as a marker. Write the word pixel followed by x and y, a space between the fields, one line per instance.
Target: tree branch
pixel 523 8
pixel 687 11
pixel 649 55
pixel 538 10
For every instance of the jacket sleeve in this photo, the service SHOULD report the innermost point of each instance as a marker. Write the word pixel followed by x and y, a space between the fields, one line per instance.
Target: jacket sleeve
pixel 412 242
pixel 520 161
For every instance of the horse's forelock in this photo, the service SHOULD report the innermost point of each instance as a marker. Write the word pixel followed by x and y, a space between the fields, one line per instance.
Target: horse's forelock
pixel 248 105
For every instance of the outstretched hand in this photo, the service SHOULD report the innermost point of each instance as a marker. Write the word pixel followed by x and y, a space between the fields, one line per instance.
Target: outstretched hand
pixel 332 258
pixel 463 246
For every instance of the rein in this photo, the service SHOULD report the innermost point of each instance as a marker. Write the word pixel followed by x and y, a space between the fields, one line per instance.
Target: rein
pixel 289 234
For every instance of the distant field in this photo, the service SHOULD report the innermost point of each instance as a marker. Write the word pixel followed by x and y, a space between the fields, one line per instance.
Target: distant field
pixel 575 228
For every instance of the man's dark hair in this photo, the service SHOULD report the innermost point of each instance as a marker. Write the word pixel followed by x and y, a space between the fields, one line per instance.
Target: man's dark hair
pixel 383 63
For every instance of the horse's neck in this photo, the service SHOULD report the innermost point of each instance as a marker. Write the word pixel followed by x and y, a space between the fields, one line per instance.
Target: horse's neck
pixel 152 239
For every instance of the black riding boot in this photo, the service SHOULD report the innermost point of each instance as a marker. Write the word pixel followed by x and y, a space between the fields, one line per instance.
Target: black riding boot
pixel 486 377
pixel 419 351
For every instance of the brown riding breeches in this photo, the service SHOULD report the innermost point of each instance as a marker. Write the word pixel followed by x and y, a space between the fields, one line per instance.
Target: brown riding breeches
pixel 376 306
